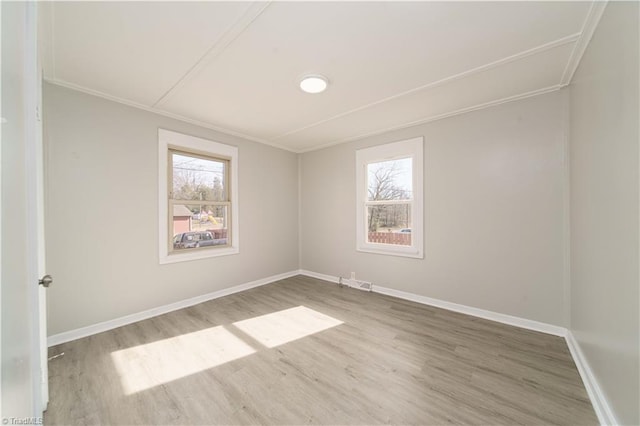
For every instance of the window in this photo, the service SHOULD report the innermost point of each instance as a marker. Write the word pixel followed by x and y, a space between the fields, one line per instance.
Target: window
pixel 198 200
pixel 198 197
pixel 389 196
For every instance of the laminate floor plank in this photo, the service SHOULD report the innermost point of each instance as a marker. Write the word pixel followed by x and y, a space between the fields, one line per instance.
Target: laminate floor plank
pixel 303 351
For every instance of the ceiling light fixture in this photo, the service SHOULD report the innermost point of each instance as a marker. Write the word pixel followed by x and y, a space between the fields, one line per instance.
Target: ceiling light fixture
pixel 314 83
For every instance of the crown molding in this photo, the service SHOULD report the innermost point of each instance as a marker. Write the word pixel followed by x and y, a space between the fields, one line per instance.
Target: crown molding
pixel 137 105
pixel 438 117
pixel 590 24
pixel 477 70
pixel 230 132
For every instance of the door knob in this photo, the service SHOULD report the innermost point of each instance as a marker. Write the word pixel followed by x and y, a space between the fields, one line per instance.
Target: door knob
pixel 46 280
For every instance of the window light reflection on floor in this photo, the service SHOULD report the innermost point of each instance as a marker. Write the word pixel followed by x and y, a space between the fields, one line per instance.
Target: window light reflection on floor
pixel 286 326
pixel 148 365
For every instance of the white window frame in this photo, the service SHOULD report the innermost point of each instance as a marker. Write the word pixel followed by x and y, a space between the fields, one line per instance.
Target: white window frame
pixel 167 140
pixel 410 148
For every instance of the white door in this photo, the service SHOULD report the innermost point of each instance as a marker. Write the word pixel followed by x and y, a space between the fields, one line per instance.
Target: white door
pixel 23 350
pixel 35 207
pixel 38 164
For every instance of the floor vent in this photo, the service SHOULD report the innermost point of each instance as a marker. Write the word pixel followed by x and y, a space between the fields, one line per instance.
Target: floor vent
pixel 357 284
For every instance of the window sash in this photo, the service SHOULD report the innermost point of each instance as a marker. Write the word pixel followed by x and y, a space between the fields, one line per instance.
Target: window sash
pixel 229 226
pixel 366 225
pixel 384 160
pixel 195 154
pixel 173 201
pixel 384 202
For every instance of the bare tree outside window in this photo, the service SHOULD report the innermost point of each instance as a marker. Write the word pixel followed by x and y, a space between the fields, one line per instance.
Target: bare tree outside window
pixel 389 196
pixel 390 180
pixel 198 178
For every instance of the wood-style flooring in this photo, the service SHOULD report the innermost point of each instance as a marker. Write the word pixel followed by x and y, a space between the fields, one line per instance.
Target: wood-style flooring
pixel 303 351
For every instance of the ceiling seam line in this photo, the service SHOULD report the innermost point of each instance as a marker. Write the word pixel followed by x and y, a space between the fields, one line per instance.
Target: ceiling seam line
pixel 512 58
pixel 212 52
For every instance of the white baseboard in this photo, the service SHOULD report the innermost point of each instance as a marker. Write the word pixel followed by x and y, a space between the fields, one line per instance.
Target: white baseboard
pixel 598 400
pixel 68 336
pixel 323 277
pixel 469 310
pixel 475 312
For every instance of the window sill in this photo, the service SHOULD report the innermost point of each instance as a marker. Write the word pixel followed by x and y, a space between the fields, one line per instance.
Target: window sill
pixel 196 255
pixel 408 252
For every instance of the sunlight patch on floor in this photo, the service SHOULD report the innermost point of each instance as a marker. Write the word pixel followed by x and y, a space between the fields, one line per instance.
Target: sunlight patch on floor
pixel 151 364
pixel 286 326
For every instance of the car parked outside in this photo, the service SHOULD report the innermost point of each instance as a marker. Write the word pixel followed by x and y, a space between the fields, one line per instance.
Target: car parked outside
pixel 186 240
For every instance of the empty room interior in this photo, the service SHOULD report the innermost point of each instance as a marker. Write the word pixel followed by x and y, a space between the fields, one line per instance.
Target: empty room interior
pixel 337 213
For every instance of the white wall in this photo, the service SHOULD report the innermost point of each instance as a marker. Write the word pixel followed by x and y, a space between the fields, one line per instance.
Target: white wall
pixel 604 208
pixel 102 222
pixel 494 211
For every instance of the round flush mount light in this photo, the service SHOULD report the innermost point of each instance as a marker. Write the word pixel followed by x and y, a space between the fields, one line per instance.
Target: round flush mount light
pixel 314 83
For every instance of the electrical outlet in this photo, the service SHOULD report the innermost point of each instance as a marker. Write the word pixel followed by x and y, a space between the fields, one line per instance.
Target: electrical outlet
pixel 353 275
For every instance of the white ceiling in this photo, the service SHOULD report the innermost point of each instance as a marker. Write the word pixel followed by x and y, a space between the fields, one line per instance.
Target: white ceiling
pixel 235 66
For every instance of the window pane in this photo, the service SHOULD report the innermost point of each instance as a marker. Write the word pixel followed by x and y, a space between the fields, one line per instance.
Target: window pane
pixel 197 178
pixel 200 225
pixel 389 224
pixel 390 180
